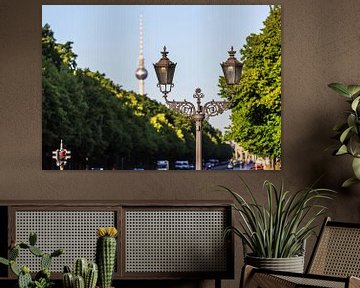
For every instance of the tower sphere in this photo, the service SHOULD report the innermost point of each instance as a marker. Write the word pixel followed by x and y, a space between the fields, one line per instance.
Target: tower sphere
pixel 141 73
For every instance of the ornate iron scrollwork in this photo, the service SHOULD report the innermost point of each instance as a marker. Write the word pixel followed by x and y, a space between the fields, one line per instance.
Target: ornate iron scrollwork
pixel 210 109
pixel 184 107
pixel 214 108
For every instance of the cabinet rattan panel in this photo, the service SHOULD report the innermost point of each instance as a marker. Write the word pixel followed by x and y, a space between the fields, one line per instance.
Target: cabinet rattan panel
pixel 175 241
pixel 75 231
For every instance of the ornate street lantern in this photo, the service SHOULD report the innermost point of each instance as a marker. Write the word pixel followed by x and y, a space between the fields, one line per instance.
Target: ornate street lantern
pixel 165 70
pixel 232 68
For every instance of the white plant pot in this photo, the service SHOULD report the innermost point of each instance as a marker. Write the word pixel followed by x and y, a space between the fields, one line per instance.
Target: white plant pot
pixel 291 264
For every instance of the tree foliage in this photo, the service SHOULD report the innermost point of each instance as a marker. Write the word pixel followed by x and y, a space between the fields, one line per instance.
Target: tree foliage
pixel 106 126
pixel 256 112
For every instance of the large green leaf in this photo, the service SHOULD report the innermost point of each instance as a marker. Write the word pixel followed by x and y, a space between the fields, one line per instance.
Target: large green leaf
pixel 354 146
pixel 345 134
pixel 351 120
pixel 341 89
pixel 353 89
pixel 356 167
pixel 342 150
pixel 355 103
pixel 349 182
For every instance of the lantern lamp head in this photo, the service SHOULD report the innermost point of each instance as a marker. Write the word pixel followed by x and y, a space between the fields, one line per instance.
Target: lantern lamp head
pixel 165 70
pixel 232 68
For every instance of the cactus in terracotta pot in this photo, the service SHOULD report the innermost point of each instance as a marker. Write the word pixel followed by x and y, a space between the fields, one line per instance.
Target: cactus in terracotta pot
pixel 106 254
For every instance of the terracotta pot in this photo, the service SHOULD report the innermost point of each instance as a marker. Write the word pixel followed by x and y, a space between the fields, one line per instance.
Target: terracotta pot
pixel 291 264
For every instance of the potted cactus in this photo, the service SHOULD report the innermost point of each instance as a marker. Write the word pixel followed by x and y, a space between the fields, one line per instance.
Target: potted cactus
pixel 106 254
pixel 42 278
pixel 84 275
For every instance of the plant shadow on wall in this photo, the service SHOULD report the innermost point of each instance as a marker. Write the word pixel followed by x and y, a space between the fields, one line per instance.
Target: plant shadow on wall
pixel 276 233
pixel 349 132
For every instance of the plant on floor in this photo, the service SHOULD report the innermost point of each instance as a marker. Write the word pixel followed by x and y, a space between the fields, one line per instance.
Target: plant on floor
pixel 106 254
pixel 42 278
pixel 349 132
pixel 84 275
pixel 280 228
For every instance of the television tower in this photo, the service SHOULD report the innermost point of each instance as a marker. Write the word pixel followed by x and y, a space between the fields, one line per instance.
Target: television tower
pixel 141 73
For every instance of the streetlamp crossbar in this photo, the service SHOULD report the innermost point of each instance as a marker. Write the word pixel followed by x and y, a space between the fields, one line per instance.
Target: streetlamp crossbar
pixel 210 109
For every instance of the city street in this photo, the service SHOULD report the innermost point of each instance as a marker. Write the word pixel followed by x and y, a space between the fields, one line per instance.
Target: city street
pixel 225 167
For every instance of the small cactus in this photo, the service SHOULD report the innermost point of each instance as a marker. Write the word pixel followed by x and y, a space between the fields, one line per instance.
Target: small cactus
pixel 24 279
pixel 84 274
pixel 23 273
pixel 36 251
pixel 79 282
pixel 57 252
pixel 106 254
pixel 80 268
pixel 91 276
pixel 44 273
pixel 45 261
pixel 14 268
pixel 24 246
pixel 68 280
pixel 32 238
pixel 67 269
pixel 13 253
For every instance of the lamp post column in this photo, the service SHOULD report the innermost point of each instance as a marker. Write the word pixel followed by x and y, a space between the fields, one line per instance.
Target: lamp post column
pixel 198 117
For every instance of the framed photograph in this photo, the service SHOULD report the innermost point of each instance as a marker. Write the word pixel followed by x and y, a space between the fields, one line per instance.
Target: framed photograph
pixel 161 87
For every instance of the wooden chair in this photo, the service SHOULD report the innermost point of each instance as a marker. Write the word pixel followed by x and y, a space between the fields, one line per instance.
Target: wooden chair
pixel 335 262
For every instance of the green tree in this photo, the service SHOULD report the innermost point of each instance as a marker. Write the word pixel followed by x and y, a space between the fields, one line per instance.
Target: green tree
pixel 256 112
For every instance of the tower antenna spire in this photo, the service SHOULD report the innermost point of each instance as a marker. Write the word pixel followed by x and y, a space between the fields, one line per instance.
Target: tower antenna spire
pixel 141 73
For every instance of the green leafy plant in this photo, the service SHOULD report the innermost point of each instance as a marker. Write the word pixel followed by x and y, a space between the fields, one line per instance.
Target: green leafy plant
pixel 43 283
pixel 349 132
pixel 42 278
pixel 279 229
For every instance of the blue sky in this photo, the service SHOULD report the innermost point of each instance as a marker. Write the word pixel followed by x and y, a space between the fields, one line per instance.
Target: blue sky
pixel 106 38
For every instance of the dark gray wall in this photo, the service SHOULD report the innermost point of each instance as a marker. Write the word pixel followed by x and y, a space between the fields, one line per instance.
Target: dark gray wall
pixel 321 44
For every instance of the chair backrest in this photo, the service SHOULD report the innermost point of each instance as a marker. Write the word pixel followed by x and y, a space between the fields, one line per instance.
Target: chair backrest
pixel 337 251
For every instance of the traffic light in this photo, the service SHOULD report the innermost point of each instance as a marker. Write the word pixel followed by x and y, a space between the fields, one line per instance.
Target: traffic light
pixel 61 156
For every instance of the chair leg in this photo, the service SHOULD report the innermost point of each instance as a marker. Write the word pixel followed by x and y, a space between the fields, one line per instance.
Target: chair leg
pixel 354 282
pixel 250 278
pixel 217 283
pixel 246 274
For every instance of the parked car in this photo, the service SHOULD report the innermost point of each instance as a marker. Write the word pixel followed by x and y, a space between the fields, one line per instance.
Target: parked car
pixel 208 166
pixel 213 162
pixel 162 165
pixel 181 165
pixel 97 168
